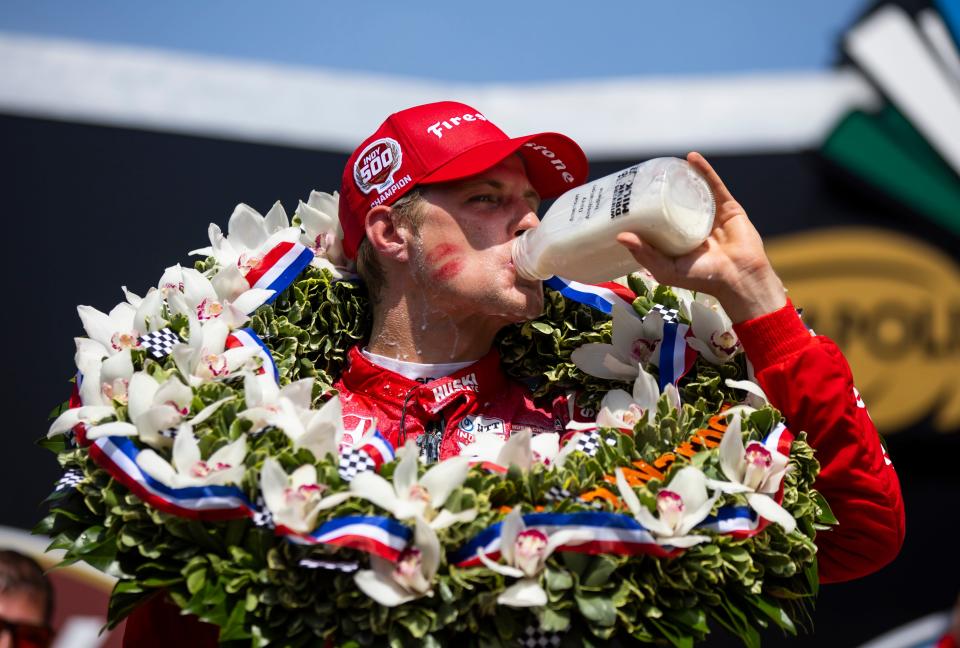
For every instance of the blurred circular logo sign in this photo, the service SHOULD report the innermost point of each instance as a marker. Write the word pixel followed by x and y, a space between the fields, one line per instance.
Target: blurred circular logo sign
pixel 892 303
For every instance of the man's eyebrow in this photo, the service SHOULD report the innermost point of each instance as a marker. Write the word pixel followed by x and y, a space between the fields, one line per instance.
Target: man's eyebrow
pixel 471 184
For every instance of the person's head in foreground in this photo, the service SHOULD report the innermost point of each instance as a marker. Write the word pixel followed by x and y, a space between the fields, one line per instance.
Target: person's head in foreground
pixel 430 205
pixel 26 602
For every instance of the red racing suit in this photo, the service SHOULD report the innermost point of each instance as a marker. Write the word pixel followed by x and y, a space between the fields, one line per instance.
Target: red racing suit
pixel 805 377
pixel 445 414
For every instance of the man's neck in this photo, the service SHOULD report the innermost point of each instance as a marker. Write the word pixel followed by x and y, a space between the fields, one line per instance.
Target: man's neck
pixel 406 328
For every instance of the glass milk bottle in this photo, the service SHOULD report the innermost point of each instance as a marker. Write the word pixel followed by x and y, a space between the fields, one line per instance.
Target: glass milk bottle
pixel 664 200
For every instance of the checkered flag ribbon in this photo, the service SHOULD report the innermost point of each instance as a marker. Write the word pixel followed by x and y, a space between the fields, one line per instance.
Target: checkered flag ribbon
pixel 354 461
pixel 537 638
pixel 331 565
pixel 262 517
pixel 557 494
pixel 70 479
pixel 669 315
pixel 160 343
pixel 261 431
pixel 588 442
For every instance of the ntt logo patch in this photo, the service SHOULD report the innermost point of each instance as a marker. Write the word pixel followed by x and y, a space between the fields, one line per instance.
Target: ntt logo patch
pixel 376 165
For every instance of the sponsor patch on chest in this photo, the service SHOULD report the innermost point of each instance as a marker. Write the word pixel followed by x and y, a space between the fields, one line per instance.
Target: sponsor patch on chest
pixel 478 424
pixel 457 385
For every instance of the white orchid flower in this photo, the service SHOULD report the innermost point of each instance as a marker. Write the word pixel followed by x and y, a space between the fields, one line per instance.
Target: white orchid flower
pixel 618 409
pixel 713 335
pixel 756 470
pixel 324 432
pixel 623 411
pixel 681 505
pixel 226 296
pixel 524 553
pixel 523 449
pixel 754 400
pixel 204 357
pixel 411 577
pixel 225 466
pixel 114 331
pixel 296 499
pixel 485 449
pixel 545 447
pixel 250 236
pixel 154 408
pixel 149 310
pixel 122 327
pixel 319 431
pixel 634 342
pixel 263 397
pixel 103 382
pixel 409 497
pixel 103 379
pixel 89 415
pixel 322 232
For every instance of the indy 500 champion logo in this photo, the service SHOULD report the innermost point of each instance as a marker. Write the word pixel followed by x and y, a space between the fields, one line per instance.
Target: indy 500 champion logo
pixel 376 165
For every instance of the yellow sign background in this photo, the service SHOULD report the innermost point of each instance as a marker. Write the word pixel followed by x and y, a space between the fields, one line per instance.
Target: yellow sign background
pixel 892 304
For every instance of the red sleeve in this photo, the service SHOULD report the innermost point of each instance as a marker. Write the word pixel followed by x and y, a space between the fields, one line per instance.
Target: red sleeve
pixel 948 641
pixel 157 623
pixel 808 379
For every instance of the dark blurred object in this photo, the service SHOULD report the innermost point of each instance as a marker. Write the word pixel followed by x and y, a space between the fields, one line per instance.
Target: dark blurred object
pixel 26 602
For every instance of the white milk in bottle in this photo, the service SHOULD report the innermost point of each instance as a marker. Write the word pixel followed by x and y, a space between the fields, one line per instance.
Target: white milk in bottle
pixel 664 200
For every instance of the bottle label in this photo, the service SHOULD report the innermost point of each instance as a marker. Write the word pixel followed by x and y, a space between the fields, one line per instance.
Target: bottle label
pixel 585 206
pixel 622 190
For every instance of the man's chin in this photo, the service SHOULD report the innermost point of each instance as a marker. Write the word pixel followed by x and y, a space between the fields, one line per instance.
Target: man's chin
pixel 533 306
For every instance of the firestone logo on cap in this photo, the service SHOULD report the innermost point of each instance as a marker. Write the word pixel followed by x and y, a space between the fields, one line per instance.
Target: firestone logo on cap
pixel 376 165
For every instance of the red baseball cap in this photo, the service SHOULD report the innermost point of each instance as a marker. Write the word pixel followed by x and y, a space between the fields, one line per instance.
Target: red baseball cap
pixel 439 142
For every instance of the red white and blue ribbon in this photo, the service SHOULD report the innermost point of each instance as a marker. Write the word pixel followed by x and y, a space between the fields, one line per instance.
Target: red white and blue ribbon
pixel 384 537
pixel 783 438
pixel 380 536
pixel 247 337
pixel 118 455
pixel 378 448
pixel 279 267
pixel 612 533
pixel 676 356
pixel 738 521
pixel 599 297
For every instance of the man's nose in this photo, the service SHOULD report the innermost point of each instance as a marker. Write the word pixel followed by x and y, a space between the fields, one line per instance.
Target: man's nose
pixel 528 220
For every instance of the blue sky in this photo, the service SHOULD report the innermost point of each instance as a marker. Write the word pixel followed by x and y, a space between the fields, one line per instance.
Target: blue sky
pixel 458 40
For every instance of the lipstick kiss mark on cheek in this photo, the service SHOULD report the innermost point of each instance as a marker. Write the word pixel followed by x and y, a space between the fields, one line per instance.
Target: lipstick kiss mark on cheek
pixel 440 251
pixel 448 270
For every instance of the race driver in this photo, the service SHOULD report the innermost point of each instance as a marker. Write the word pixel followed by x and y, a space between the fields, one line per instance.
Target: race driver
pixel 429 206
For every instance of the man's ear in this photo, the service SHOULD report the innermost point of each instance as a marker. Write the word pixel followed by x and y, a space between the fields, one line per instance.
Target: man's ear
pixel 386 238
